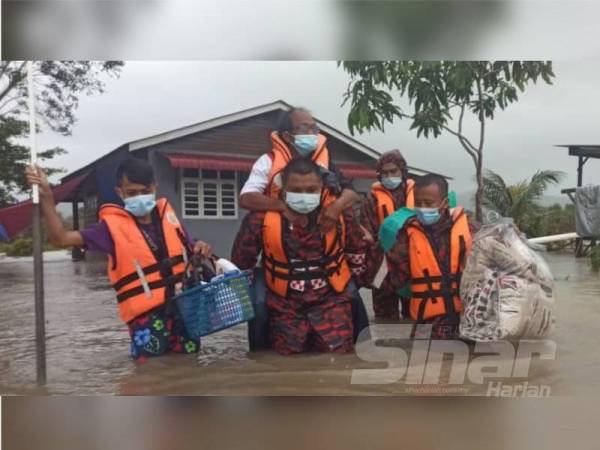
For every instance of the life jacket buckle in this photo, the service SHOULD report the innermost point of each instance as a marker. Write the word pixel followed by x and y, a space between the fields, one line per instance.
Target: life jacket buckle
pixel 165 268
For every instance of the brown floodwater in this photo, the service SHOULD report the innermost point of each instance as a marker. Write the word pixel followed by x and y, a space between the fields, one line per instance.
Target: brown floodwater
pixel 87 346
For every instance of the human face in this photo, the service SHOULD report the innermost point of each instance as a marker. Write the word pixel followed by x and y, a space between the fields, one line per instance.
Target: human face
pixel 302 123
pixel 130 189
pixel 302 193
pixel 390 170
pixel 430 197
pixel 310 183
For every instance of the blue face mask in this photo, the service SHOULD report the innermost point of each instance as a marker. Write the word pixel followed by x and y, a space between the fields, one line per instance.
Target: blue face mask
pixel 306 143
pixel 391 183
pixel 302 203
pixel 140 205
pixel 428 216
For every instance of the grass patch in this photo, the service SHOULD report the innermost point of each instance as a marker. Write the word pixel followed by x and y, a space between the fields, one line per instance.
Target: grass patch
pixel 596 258
pixel 23 246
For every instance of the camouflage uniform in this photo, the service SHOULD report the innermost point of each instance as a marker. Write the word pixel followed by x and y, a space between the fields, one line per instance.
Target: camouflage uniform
pixel 312 316
pixel 443 327
pixel 386 303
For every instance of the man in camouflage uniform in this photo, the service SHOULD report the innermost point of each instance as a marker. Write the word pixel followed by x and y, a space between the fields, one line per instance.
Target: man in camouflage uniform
pixel 315 313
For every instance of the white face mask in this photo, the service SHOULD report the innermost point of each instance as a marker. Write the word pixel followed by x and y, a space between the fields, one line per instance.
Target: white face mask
pixel 140 205
pixel 428 216
pixel 306 143
pixel 302 203
pixel 391 183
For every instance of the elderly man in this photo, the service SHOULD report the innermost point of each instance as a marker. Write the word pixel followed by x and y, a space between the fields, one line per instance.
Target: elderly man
pixel 306 271
pixel 297 135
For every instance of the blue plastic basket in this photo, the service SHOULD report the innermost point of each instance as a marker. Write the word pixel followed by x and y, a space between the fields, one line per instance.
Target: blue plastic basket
pixel 217 305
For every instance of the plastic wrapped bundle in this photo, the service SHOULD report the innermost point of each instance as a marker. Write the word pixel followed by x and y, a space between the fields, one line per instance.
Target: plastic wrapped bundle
pixel 587 211
pixel 507 289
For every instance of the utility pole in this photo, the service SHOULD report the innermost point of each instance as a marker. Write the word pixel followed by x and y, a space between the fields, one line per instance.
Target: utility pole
pixel 38 262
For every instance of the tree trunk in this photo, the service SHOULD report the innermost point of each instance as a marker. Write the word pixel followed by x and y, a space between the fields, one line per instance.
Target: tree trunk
pixel 479 193
pixel 479 173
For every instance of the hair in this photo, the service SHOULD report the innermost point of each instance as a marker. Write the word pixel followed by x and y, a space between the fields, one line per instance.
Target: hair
pixel 432 178
pixel 300 166
pixel 136 170
pixel 395 157
pixel 285 119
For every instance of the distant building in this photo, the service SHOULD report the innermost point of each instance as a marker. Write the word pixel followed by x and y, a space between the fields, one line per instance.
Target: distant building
pixel 201 169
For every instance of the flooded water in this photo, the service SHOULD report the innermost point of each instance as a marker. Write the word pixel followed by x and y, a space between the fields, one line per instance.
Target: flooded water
pixel 87 345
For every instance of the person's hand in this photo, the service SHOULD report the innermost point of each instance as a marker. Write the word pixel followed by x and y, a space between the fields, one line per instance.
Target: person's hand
pixel 203 249
pixel 367 236
pixel 329 216
pixel 35 175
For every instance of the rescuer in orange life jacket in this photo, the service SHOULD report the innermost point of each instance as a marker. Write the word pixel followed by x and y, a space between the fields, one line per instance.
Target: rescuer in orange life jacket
pixel 392 191
pixel 306 270
pixel 297 135
pixel 429 256
pixel 145 236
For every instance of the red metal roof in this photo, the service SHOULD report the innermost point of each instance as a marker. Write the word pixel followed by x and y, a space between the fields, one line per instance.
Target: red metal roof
pixel 235 163
pixel 212 162
pixel 357 171
pixel 17 218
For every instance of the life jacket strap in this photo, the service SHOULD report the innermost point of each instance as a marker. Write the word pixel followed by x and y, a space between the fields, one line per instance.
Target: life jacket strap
pixel 302 276
pixel 304 264
pixel 436 279
pixel 165 281
pixel 434 293
pixel 162 266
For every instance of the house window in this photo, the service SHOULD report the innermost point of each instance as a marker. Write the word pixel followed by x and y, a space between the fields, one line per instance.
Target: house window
pixel 209 194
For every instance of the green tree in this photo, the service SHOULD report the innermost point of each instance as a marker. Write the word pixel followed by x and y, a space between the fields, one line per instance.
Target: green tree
pixel 521 200
pixel 440 94
pixel 58 85
pixel 14 157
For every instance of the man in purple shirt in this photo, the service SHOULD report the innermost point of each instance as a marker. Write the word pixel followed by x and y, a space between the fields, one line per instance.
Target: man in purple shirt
pixel 143 233
pixel 97 237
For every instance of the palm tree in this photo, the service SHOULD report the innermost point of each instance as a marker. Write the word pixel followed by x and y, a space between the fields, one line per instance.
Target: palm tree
pixel 519 201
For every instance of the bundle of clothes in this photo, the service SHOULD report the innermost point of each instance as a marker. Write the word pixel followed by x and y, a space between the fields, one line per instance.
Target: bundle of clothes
pixel 507 288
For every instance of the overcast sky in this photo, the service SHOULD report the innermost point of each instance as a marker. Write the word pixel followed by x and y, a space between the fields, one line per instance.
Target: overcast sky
pixel 152 97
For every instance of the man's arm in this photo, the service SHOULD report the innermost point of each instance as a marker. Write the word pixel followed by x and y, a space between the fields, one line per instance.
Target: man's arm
pixel 398 262
pixel 56 231
pixel 343 185
pixel 348 198
pixel 368 217
pixel 256 201
pixel 248 243
pixel 252 196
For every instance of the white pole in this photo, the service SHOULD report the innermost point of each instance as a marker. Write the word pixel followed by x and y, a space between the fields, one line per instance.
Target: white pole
pixel 32 129
pixel 38 262
pixel 553 238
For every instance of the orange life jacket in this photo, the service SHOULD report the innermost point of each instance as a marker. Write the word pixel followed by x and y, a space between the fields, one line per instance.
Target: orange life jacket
pixel 281 156
pixel 435 293
pixel 385 203
pixel 279 271
pixel 131 245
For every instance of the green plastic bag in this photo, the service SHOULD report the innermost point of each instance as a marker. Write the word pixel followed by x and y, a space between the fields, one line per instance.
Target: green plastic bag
pixel 391 225
pixel 388 231
pixel 452 201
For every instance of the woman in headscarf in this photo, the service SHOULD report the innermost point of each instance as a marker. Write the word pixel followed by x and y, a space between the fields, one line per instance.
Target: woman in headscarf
pixel 392 191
